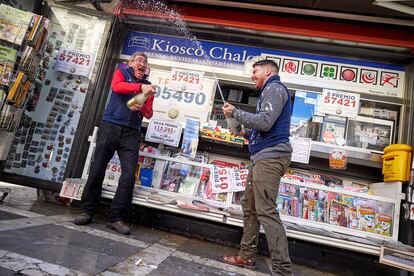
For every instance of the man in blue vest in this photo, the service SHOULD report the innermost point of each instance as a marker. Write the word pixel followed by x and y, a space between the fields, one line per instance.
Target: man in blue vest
pixel 268 134
pixel 120 131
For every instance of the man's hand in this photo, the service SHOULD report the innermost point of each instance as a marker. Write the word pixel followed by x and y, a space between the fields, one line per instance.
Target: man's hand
pixel 242 131
pixel 228 110
pixel 148 89
pixel 135 107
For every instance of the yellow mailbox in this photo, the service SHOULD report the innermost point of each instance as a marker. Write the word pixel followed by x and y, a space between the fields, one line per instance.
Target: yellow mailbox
pixel 396 162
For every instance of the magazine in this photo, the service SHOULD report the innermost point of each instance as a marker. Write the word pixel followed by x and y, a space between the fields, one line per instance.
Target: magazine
pixel 7 61
pixel 13 24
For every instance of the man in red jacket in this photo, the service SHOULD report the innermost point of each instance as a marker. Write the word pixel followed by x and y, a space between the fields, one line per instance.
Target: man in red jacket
pixel 119 131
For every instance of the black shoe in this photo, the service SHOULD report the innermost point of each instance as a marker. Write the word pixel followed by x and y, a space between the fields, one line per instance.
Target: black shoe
pixel 82 219
pixel 120 227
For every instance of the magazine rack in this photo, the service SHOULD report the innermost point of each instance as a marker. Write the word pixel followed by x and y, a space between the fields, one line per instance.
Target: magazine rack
pixel 21 42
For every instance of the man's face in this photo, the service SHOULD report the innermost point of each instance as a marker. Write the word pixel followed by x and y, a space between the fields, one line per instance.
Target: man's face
pixel 259 76
pixel 139 64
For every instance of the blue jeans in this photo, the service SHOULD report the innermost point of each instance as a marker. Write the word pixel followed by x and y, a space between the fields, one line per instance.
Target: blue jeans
pixel 125 141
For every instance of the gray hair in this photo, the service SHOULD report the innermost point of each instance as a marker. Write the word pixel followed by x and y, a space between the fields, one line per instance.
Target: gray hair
pixel 136 54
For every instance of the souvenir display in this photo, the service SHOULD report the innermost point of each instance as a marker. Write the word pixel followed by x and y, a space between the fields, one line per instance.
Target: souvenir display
pixel 54 110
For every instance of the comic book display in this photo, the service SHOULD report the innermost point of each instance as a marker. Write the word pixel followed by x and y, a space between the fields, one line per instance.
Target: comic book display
pixel 332 205
pixel 335 208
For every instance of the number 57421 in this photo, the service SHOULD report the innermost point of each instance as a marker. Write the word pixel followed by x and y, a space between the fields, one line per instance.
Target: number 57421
pixel 339 101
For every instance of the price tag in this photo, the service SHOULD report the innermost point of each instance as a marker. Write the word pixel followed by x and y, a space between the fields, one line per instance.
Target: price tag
pixel 74 62
pixel 189 105
pixel 185 80
pixel 239 179
pixel 165 132
pixel 220 179
pixel 339 103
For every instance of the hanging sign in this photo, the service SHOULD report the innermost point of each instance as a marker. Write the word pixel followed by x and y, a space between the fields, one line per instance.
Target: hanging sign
pixel 339 103
pixel 74 62
pixel 301 149
pixel 180 105
pixel 239 179
pixel 185 80
pixel 220 179
pixel 165 132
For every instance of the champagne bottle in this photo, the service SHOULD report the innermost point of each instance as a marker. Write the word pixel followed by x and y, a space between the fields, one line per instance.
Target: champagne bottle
pixel 137 99
pixel 233 125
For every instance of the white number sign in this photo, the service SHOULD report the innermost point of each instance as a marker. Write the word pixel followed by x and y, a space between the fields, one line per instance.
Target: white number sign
pixel 189 105
pixel 239 179
pixel 74 62
pixel 339 103
pixel 220 179
pixel 185 80
pixel 165 132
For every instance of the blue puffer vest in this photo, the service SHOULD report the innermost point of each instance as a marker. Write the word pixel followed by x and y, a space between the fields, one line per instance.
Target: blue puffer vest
pixel 279 132
pixel 117 111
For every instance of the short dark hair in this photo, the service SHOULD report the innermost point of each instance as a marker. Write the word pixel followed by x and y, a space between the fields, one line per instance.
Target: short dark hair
pixel 267 62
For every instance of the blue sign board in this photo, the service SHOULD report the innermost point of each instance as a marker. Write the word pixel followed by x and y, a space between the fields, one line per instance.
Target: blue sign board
pixel 218 54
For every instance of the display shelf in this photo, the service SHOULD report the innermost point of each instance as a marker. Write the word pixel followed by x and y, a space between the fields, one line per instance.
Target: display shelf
pixel 324 240
pixel 170 208
pixel 355 155
pixel 220 141
pixel 300 235
pixel 342 191
pixel 334 228
pixel 177 160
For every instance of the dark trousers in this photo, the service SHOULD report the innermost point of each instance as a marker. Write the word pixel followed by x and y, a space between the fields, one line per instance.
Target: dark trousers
pixel 125 141
pixel 259 207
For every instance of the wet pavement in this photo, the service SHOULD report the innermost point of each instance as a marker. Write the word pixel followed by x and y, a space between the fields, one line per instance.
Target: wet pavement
pixel 39 238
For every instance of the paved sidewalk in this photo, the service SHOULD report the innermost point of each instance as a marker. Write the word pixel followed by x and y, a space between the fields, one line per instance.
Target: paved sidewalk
pixel 38 238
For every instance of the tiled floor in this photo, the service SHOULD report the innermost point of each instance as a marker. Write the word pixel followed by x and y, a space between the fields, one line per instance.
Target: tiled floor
pixel 38 238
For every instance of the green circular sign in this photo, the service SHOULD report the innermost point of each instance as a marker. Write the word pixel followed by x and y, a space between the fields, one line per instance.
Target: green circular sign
pixel 309 69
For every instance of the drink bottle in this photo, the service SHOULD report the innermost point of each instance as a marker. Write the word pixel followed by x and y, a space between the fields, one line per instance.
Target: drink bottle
pixel 140 98
pixel 137 99
pixel 233 125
